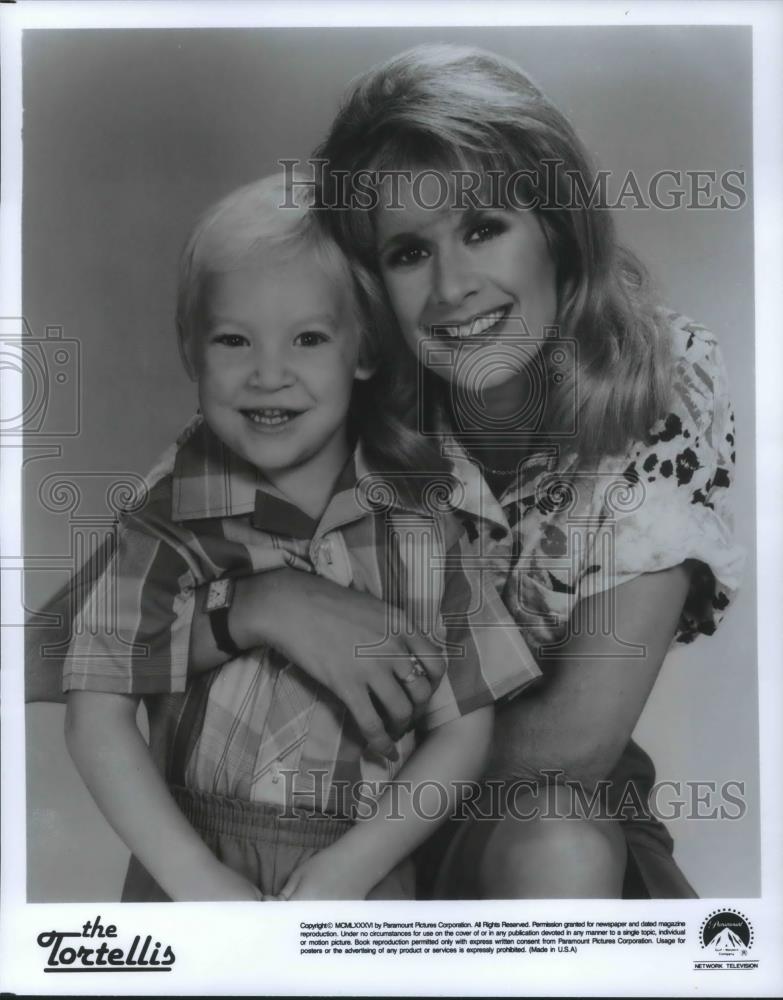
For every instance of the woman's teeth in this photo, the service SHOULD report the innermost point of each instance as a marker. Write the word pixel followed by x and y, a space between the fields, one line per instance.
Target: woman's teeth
pixel 270 417
pixel 478 326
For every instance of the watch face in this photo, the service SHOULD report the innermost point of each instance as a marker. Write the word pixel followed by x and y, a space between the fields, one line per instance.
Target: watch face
pixel 219 594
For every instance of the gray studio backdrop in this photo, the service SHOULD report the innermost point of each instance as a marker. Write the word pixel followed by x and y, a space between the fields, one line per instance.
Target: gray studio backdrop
pixel 129 134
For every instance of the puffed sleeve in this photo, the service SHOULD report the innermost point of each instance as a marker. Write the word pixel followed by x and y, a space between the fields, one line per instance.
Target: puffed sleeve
pixel 583 529
pixel 676 504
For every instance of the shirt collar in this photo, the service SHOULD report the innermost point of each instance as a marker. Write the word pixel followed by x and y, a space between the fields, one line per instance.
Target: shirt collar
pixel 209 481
pixel 479 500
pixel 462 489
pixel 471 493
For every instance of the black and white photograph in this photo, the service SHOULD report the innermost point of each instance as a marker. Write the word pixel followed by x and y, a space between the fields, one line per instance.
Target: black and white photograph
pixel 387 492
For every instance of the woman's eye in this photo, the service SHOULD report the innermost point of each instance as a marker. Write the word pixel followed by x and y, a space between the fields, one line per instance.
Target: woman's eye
pixel 485 231
pixel 310 338
pixel 406 257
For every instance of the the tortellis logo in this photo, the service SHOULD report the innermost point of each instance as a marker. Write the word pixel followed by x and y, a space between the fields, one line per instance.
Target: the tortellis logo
pixel 99 950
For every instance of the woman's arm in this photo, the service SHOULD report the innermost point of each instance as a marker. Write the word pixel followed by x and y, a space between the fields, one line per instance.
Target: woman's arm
pixel 315 622
pixel 581 717
pixel 426 793
pixel 117 768
pixel 319 625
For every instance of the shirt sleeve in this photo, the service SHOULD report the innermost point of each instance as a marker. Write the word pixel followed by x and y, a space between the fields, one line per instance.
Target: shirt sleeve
pixel 131 634
pixel 675 505
pixel 487 658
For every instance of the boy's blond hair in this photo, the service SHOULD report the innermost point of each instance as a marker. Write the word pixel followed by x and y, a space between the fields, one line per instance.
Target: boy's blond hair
pixel 274 214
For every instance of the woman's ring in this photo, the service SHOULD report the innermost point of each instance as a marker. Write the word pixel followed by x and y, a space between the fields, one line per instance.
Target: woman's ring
pixel 417 670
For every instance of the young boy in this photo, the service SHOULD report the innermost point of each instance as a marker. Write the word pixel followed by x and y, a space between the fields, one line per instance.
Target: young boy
pixel 253 775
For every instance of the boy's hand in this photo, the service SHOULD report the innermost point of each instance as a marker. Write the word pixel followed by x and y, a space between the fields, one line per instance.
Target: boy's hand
pixel 327 875
pixel 217 883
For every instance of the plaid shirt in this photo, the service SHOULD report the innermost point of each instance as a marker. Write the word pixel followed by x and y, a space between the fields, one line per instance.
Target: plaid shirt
pixel 259 728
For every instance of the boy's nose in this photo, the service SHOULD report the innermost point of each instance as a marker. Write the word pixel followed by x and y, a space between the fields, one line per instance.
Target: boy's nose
pixel 270 373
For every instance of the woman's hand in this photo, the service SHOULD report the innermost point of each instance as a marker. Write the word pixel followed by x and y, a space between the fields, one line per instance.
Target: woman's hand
pixel 341 638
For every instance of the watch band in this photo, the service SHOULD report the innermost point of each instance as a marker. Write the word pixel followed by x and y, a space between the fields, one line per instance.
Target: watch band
pixel 219 622
pixel 219 597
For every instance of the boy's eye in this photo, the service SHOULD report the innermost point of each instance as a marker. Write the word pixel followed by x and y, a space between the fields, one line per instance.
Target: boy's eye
pixel 486 230
pixel 406 256
pixel 310 338
pixel 229 339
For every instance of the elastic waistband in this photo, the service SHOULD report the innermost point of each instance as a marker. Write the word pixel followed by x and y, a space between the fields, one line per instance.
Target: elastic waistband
pixel 216 814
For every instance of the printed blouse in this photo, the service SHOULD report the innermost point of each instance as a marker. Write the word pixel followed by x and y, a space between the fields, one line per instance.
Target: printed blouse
pixel 578 532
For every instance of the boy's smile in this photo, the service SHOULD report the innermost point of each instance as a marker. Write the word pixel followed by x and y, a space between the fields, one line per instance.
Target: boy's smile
pixel 270 417
pixel 276 358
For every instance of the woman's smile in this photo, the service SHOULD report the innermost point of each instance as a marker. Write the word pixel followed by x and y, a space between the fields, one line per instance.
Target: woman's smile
pixel 482 279
pixel 476 326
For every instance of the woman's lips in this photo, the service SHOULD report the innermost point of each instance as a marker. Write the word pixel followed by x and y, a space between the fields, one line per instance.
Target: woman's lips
pixel 476 327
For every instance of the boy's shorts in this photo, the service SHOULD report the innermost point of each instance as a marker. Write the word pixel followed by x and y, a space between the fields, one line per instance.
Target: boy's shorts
pixel 260 843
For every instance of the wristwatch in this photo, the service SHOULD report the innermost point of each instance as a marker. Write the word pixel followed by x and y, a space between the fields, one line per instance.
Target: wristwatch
pixel 220 594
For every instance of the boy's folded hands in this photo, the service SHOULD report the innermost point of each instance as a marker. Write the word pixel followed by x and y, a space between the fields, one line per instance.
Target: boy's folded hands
pixel 219 883
pixel 327 876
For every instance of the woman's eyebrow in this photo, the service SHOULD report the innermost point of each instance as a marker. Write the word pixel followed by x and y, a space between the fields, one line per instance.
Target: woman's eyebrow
pixel 472 215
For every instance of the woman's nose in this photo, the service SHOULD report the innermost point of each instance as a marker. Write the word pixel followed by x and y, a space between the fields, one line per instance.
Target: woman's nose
pixel 454 277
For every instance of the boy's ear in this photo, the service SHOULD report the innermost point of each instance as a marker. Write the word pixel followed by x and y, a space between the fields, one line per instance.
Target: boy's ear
pixel 366 366
pixel 364 372
pixel 187 351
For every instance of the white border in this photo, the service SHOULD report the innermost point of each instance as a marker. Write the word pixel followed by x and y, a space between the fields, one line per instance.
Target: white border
pixel 213 936
pixel 350 13
pixel 12 877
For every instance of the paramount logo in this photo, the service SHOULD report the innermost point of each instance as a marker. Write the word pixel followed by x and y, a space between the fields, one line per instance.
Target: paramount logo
pixel 727 943
pixel 727 937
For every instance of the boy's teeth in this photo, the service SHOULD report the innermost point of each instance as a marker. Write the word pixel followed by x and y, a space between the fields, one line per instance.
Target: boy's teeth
pixel 478 326
pixel 269 417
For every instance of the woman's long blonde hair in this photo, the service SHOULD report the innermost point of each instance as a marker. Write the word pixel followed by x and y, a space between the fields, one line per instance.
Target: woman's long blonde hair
pixel 457 108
